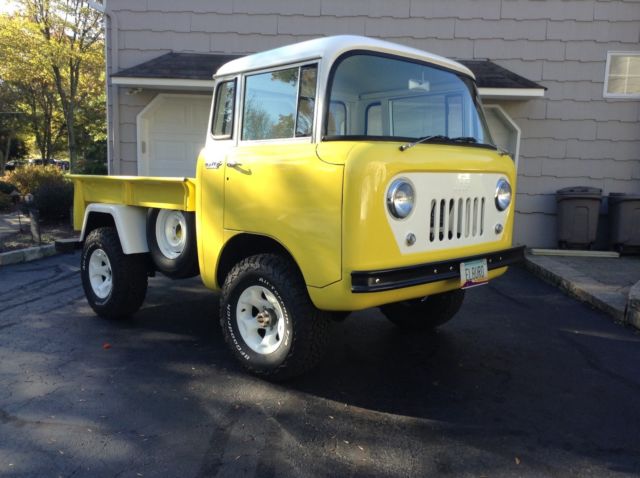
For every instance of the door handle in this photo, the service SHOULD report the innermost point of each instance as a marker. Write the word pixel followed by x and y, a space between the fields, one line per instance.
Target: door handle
pixel 232 163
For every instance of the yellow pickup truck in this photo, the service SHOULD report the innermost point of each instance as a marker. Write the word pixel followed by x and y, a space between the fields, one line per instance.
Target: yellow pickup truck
pixel 338 174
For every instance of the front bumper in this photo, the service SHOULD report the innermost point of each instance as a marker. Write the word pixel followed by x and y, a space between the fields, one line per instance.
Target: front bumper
pixel 391 279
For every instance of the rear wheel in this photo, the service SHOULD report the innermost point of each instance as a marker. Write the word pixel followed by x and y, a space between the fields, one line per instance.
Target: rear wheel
pixel 426 313
pixel 115 284
pixel 268 319
pixel 171 237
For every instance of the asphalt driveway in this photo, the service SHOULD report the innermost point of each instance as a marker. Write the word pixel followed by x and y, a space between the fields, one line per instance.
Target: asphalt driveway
pixel 524 382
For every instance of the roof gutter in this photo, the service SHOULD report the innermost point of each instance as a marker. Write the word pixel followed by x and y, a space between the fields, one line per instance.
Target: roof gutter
pixel 511 93
pixel 163 83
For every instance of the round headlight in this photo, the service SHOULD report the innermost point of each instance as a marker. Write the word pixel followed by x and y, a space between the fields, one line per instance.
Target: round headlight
pixel 400 198
pixel 503 194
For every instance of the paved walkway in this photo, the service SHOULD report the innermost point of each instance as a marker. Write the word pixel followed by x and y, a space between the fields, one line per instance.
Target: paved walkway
pixel 609 284
pixel 10 223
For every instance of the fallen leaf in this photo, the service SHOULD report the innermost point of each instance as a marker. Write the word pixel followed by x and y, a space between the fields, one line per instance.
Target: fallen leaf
pixel 106 346
pixel 517 460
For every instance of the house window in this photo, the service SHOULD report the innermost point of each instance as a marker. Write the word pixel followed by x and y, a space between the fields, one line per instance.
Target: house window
pixel 622 75
pixel 222 124
pixel 279 104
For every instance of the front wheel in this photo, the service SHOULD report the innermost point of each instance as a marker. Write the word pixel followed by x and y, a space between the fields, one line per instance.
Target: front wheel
pixel 268 319
pixel 114 283
pixel 426 313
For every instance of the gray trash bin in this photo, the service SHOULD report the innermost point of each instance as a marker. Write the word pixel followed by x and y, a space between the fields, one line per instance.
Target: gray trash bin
pixel 578 209
pixel 624 222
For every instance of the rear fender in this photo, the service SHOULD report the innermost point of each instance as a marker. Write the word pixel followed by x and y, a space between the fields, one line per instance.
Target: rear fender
pixel 130 221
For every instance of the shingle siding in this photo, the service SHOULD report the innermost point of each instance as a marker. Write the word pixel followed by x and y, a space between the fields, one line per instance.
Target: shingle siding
pixel 410 27
pixel 571 137
pixel 485 9
pixel 504 29
pixel 370 8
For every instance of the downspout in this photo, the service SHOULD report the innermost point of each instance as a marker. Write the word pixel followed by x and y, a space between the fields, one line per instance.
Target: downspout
pixel 113 115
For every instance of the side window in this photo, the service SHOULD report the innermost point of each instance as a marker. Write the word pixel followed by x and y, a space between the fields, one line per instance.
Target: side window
pixel 337 124
pixel 418 116
pixel 279 104
pixel 373 120
pixel 222 124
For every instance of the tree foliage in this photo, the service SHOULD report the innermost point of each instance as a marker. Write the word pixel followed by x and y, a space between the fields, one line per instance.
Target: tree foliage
pixel 51 55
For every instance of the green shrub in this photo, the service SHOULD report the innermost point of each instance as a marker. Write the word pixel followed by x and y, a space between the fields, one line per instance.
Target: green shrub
pixel 5 202
pixel 30 178
pixel 95 159
pixel 53 200
pixel 52 192
pixel 6 188
pixel 87 166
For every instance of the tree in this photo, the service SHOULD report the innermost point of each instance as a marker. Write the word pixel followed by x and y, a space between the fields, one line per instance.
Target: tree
pixel 12 125
pixel 52 52
pixel 27 87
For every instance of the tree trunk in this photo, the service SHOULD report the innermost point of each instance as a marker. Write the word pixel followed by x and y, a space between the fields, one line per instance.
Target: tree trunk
pixel 8 149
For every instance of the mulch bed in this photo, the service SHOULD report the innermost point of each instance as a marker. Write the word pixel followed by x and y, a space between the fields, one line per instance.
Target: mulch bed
pixel 48 234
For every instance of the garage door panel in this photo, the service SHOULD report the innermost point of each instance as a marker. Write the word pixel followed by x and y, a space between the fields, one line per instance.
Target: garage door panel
pixel 172 129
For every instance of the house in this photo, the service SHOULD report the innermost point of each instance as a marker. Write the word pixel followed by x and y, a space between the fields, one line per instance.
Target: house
pixel 560 79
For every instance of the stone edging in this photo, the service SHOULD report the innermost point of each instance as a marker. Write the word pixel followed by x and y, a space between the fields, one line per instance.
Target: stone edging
pixel 632 315
pixel 26 255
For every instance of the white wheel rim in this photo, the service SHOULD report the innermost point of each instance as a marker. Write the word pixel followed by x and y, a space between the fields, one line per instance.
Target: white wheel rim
pixel 100 275
pixel 171 233
pixel 252 302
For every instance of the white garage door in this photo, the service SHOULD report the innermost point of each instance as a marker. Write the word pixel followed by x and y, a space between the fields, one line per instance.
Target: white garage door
pixel 504 131
pixel 171 133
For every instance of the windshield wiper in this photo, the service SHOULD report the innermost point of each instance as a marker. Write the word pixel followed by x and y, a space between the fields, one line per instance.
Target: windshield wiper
pixel 439 137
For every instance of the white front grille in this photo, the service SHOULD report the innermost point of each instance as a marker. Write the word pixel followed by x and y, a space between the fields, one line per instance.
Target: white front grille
pixel 451 210
pixel 452 219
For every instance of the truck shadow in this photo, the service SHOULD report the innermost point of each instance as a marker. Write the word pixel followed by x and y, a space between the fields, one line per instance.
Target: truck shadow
pixel 508 377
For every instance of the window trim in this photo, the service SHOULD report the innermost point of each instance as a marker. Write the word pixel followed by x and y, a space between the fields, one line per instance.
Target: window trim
pixel 607 73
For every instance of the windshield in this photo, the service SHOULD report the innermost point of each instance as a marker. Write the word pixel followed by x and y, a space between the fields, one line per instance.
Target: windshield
pixel 385 98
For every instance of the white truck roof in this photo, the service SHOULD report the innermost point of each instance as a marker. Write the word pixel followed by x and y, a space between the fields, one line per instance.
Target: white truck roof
pixel 330 48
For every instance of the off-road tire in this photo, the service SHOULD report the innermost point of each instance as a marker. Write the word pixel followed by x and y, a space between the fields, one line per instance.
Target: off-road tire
pixel 306 329
pixel 128 275
pixel 183 265
pixel 425 314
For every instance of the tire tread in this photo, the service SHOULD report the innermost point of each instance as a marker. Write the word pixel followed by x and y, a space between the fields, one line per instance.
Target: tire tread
pixel 311 331
pixel 130 276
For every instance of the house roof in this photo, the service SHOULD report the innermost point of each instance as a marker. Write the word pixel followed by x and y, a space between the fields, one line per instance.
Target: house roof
pixel 492 79
pixel 194 71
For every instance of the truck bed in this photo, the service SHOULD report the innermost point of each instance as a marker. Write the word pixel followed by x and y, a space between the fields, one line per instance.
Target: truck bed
pixel 151 192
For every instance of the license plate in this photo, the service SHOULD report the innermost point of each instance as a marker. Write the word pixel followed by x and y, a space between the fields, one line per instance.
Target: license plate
pixel 473 273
